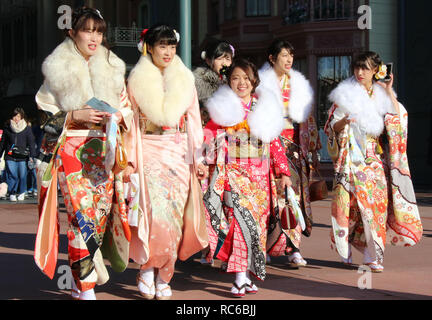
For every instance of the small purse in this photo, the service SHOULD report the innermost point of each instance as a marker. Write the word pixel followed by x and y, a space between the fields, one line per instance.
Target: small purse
pixel 318 188
pixel 121 160
pixel 287 217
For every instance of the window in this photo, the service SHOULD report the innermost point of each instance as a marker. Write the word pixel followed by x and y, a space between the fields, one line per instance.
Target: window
pixel 230 9
pixel 331 71
pixel 256 8
pixel 213 17
pixel 300 65
pixel 144 14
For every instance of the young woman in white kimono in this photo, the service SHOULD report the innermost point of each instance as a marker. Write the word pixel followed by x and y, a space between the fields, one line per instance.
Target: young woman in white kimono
pixel 80 69
pixel 162 150
pixel 374 200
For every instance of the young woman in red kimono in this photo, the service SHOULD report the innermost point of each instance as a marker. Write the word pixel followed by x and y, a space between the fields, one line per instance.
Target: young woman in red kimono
pixel 246 122
pixel 300 140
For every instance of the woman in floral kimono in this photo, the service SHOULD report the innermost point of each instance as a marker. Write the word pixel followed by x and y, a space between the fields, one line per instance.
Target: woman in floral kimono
pixel 246 126
pixel 300 140
pixel 78 70
pixel 162 148
pixel 374 200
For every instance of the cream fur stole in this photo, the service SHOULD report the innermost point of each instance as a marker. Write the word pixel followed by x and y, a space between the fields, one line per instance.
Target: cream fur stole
pixel 162 98
pixel 302 95
pixel 74 81
pixel 368 113
pixel 265 121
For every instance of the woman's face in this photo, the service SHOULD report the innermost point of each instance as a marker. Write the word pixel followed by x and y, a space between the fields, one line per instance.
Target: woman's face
pixel 283 62
pixel 223 61
pixel 162 54
pixel 365 75
pixel 87 40
pixel 17 118
pixel 241 84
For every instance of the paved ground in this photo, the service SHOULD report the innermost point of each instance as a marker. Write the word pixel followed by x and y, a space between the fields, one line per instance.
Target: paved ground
pixel 407 270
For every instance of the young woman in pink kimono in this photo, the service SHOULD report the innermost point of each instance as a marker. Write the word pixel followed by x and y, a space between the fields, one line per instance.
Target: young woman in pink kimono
pixel 162 149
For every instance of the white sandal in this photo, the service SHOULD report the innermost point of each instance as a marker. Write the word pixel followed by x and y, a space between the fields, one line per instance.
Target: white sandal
pixel 238 291
pixel 150 288
pixel 297 260
pixel 163 293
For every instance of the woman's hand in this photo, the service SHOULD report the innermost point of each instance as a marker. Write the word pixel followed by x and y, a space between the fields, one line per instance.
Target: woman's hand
pixel 285 182
pixel 89 115
pixel 202 171
pixel 127 173
pixel 388 87
pixel 340 125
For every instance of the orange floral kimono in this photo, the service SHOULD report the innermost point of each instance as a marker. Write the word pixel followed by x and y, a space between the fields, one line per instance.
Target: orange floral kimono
pixel 374 200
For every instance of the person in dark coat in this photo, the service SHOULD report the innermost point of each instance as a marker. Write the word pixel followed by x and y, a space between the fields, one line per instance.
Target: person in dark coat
pixel 18 145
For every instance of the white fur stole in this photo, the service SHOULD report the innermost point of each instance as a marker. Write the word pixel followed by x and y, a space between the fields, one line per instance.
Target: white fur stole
pixel 368 112
pixel 302 95
pixel 74 81
pixel 162 98
pixel 265 121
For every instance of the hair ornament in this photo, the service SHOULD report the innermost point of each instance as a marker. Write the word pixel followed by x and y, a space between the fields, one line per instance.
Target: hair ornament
pixel 382 72
pixel 99 14
pixel 142 45
pixel 177 35
pixel 233 50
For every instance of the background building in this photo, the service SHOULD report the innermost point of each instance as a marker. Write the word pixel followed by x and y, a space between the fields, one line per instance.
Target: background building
pixel 325 34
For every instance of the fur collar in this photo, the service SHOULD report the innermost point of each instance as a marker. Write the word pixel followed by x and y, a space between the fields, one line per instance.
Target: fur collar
pixel 353 99
pixel 265 121
pixel 74 81
pixel 163 98
pixel 207 82
pixel 301 99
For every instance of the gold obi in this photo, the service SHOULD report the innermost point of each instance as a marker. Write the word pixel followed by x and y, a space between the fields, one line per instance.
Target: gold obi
pixel 242 145
pixel 148 127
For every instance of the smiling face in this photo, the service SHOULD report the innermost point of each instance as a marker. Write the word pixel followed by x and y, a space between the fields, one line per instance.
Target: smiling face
pixel 88 39
pixel 162 54
pixel 241 84
pixel 283 62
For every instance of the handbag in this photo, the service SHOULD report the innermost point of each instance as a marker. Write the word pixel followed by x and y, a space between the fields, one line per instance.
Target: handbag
pixel 287 217
pixel 318 188
pixel 121 160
